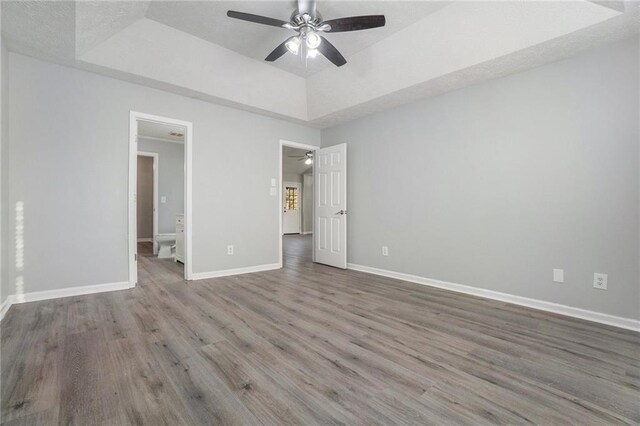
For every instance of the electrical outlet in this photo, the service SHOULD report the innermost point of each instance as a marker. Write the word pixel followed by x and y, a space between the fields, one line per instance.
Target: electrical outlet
pixel 230 250
pixel 558 275
pixel 385 251
pixel 600 281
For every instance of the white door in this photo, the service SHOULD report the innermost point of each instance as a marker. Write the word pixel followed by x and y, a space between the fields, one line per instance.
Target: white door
pixel 330 178
pixel 291 200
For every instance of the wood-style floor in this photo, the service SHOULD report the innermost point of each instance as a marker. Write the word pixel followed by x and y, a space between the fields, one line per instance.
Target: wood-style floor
pixel 308 344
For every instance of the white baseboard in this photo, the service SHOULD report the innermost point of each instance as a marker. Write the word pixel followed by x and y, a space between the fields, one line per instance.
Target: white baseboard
pixel 145 240
pixel 236 271
pixel 4 307
pixel 626 323
pixel 62 292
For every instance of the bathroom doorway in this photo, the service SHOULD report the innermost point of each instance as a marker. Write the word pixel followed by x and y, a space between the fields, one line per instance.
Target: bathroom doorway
pixel 160 196
pixel 147 199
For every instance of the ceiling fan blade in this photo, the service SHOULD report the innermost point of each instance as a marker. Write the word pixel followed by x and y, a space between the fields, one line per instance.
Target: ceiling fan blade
pixel 308 7
pixel 331 53
pixel 278 51
pixel 355 23
pixel 256 18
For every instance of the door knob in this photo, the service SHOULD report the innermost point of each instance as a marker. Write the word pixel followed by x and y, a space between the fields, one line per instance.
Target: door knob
pixel 342 212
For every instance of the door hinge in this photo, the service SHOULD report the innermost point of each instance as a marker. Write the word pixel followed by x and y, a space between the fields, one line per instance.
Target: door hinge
pixel 135 257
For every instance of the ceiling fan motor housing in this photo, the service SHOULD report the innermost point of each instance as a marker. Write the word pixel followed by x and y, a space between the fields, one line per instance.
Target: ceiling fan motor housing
pixel 305 20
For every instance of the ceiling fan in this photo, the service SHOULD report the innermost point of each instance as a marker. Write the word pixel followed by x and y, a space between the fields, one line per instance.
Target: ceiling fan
pixel 307 157
pixel 308 23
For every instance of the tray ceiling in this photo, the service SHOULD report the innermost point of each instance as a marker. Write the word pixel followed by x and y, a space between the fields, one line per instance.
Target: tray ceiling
pixel 207 20
pixel 427 47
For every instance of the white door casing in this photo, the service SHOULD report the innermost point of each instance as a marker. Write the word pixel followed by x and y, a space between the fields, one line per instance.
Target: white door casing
pixel 291 218
pixel 330 178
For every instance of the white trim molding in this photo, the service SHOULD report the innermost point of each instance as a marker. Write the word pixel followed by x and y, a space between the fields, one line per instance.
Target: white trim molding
pixel 4 307
pixel 62 292
pixel 626 323
pixel 145 240
pixel 236 271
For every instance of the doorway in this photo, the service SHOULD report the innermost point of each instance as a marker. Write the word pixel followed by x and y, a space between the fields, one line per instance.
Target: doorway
pixel 292 208
pixel 296 201
pixel 161 147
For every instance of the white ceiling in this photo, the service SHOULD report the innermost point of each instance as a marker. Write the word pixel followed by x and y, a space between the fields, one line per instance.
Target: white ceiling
pixel 293 165
pixel 427 48
pixel 207 20
pixel 160 132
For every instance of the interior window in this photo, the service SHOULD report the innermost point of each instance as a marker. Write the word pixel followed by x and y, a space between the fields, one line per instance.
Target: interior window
pixel 291 198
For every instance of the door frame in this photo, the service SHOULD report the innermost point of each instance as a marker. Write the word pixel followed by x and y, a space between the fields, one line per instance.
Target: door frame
pixel 156 163
pixel 299 186
pixel 134 117
pixel 306 147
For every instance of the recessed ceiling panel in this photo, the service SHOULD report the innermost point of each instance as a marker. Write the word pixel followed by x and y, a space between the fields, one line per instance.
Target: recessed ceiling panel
pixel 427 47
pixel 208 20
pixel 96 21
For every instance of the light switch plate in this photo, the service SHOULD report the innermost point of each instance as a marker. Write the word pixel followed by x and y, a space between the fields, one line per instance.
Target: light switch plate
pixel 558 275
pixel 273 181
pixel 273 191
pixel 163 199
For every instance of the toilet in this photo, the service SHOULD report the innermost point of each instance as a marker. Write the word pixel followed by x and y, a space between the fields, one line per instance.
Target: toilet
pixel 166 245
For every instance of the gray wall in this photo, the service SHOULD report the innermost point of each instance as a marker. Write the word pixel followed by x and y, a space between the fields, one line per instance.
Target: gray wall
pixel 291 177
pixel 170 181
pixel 69 165
pixel 144 198
pixel 496 184
pixel 5 285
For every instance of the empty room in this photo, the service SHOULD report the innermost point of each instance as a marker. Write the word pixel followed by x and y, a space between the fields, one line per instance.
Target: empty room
pixel 320 212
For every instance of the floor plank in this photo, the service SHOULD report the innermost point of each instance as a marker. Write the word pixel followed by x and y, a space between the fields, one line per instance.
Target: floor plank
pixel 307 344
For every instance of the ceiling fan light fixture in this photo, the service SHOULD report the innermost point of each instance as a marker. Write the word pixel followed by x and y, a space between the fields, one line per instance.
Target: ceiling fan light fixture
pixel 293 45
pixel 308 161
pixel 307 22
pixel 313 40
